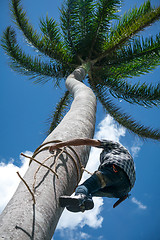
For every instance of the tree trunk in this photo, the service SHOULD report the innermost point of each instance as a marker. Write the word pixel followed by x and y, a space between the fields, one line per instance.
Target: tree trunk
pixel 22 219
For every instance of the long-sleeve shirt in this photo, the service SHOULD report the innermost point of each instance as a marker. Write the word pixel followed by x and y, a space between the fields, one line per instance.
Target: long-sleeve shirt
pixel 115 153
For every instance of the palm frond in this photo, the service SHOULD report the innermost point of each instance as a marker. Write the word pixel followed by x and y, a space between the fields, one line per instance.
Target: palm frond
pixel 143 94
pixel 122 118
pixel 105 12
pixel 140 48
pixel 23 23
pixel 137 67
pixel 137 49
pixel 33 38
pixel 53 40
pixel 76 19
pixel 25 64
pixel 85 18
pixel 60 111
pixel 134 68
pixel 139 57
pixel 84 23
pixel 68 23
pixel 133 22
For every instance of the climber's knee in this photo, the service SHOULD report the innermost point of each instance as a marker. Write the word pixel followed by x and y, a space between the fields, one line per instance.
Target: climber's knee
pixel 101 178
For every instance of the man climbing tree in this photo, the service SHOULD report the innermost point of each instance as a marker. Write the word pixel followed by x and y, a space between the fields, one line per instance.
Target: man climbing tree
pixel 85 44
pixel 115 176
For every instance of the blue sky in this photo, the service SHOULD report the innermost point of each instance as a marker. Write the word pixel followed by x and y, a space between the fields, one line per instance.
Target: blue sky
pixel 25 108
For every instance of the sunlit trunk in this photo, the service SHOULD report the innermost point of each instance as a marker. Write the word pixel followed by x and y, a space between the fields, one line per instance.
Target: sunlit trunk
pixel 22 219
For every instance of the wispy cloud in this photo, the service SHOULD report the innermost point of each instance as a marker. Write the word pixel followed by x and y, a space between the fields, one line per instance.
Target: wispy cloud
pixel 139 204
pixel 9 180
pixel 109 129
pixel 72 235
pixel 136 147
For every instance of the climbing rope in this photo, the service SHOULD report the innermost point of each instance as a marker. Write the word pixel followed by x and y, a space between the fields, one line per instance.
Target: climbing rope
pixel 79 167
pixel 33 197
pixel 43 148
pixel 33 159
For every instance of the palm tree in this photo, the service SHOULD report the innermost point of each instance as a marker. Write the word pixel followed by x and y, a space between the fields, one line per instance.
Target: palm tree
pixel 35 215
pixel 85 35
pixel 86 44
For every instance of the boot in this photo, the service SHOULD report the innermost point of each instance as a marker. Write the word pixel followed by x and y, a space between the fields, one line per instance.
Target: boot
pixel 77 203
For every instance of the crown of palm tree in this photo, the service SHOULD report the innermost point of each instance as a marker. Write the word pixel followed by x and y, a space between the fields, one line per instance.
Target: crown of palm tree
pixel 110 54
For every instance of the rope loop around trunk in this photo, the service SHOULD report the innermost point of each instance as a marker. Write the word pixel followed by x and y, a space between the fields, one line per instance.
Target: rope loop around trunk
pixel 79 167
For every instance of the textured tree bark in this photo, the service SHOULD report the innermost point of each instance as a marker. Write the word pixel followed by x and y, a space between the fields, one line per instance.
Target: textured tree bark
pixel 22 219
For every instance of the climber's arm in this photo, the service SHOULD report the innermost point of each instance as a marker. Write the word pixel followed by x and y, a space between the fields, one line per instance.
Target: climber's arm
pixel 75 142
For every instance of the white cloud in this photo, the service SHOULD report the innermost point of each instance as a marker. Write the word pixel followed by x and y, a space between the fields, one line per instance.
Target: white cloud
pixel 110 130
pixel 9 180
pixel 84 235
pixel 72 235
pixel 100 237
pixel 135 150
pixel 139 204
pixel 136 147
pixel 90 218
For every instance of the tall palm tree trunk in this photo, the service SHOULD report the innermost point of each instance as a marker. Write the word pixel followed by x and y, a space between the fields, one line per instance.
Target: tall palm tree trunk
pixel 22 219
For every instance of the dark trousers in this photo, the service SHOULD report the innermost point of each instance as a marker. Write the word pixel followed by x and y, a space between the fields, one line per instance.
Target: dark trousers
pixel 116 180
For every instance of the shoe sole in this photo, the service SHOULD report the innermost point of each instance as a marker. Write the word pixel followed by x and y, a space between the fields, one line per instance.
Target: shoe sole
pixel 73 204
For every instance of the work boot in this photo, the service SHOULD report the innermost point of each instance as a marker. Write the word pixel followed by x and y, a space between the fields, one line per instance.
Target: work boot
pixel 77 203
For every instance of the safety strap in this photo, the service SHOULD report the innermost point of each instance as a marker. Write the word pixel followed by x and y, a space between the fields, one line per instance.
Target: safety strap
pixel 121 200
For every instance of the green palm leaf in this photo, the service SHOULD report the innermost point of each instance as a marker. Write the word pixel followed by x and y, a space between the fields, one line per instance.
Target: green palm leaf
pixel 139 57
pixel 25 64
pixel 52 40
pixel 68 24
pixel 131 23
pixel 141 94
pixel 138 48
pixel 121 117
pixel 23 23
pixel 41 43
pixel 84 24
pixel 105 12
pixel 136 51
pixel 60 111
pixel 137 67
